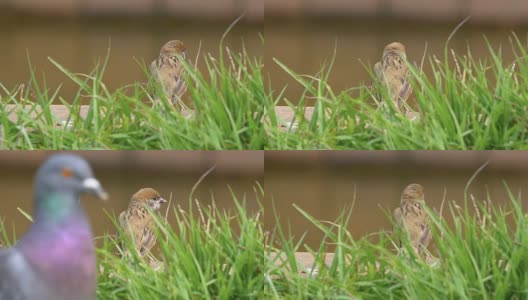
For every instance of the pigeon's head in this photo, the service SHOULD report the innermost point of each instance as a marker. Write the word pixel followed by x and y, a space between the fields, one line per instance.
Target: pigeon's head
pixel 68 173
pixel 171 48
pixel 149 197
pixel 413 192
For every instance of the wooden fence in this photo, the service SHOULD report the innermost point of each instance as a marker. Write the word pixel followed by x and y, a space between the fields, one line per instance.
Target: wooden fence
pixel 491 11
pixel 210 9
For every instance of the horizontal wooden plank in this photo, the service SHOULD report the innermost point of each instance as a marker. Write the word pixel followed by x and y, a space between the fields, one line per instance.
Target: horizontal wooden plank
pixel 61 112
pixel 288 119
pixel 306 262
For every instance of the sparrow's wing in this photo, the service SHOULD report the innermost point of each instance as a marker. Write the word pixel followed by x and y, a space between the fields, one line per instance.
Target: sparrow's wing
pixel 129 224
pixel 397 216
pixel 156 77
pixel 179 88
pixel 148 240
pixel 378 73
pixel 122 220
pixel 378 70
pixel 425 238
pixel 397 225
pixel 153 69
pixel 378 82
pixel 405 89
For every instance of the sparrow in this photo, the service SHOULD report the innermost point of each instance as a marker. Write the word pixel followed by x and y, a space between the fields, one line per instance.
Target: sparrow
pixel 411 219
pixel 167 70
pixel 392 74
pixel 137 222
pixel 55 259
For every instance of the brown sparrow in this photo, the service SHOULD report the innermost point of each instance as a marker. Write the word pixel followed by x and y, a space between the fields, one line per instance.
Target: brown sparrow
pixel 137 223
pixel 392 72
pixel 167 70
pixel 410 218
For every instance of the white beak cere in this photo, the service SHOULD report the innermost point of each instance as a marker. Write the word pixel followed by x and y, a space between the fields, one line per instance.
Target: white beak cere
pixel 93 185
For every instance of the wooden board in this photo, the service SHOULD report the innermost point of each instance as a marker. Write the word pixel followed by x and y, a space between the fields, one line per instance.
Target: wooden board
pixel 286 113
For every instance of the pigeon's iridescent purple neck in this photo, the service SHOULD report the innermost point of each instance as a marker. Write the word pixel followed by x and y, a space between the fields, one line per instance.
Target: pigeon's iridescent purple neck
pixel 64 251
pixel 60 229
pixel 62 242
pixel 60 223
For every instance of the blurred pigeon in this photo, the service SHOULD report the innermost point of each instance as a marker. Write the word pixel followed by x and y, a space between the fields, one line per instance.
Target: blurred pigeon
pixel 137 222
pixel 55 259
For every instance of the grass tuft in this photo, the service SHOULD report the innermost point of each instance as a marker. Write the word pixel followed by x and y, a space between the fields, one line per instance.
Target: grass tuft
pixel 228 98
pixel 227 254
pixel 466 104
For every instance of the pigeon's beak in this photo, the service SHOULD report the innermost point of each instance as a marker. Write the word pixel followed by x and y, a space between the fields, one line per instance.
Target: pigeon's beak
pixel 92 186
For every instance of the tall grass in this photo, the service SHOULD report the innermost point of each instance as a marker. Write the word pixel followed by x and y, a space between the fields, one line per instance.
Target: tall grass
pixel 226 254
pixel 228 100
pixel 209 254
pixel 481 251
pixel 465 104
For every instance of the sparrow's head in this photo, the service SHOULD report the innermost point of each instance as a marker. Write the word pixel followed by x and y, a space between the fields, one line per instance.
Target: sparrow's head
pixel 173 48
pixel 394 48
pixel 413 192
pixel 148 196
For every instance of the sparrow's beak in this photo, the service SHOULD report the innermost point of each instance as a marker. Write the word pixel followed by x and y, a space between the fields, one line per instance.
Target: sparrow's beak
pixel 162 200
pixel 92 186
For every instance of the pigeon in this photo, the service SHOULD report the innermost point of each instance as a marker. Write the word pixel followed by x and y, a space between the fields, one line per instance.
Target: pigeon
pixel 411 219
pixel 168 70
pixel 55 259
pixel 137 222
pixel 392 73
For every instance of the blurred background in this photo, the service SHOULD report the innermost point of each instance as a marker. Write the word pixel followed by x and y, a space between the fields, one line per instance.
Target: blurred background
pixel 122 173
pixel 77 33
pixel 304 34
pixel 326 184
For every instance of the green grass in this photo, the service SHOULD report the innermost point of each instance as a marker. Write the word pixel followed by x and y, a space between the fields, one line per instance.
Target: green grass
pixel 213 253
pixel 465 104
pixel 482 251
pixel 228 98
pixel 210 254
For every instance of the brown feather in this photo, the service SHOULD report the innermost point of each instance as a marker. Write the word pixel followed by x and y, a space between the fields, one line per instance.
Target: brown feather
pixel 137 222
pixel 411 218
pixel 168 70
pixel 392 73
